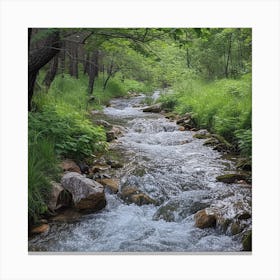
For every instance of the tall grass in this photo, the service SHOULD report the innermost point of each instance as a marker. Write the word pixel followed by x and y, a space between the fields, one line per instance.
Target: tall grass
pixel 223 106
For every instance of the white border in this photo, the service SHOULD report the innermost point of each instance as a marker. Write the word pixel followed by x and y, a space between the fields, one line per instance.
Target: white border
pixel 16 16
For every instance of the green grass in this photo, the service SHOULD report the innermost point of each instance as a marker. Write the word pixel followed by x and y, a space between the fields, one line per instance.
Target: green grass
pixel 223 106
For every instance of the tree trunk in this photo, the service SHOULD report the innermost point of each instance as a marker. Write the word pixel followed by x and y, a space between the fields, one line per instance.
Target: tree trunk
pixel 228 56
pixel 51 72
pixel 73 59
pixel 37 58
pixel 93 71
pixel 86 64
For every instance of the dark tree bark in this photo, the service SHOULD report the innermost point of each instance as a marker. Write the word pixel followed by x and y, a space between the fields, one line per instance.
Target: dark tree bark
pixel 228 56
pixel 62 59
pixel 86 63
pixel 93 71
pixel 51 72
pixel 37 58
pixel 73 59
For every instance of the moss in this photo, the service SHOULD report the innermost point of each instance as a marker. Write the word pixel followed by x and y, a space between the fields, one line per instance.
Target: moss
pixel 202 136
pixel 247 241
pixel 231 178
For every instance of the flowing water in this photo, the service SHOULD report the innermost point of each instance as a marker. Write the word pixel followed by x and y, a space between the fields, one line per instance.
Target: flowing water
pixel 174 169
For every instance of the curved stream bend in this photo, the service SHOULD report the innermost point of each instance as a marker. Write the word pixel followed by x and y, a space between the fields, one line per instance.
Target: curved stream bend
pixel 171 167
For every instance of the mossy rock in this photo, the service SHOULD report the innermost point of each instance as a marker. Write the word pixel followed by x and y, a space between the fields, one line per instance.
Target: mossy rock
pixel 231 178
pixel 235 228
pixel 202 136
pixel 247 241
pixel 244 164
pixel 211 142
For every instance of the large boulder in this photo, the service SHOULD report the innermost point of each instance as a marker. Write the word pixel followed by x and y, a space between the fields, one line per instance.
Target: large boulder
pixel 59 197
pixel 205 218
pixel 88 195
pixel 156 108
pixel 232 178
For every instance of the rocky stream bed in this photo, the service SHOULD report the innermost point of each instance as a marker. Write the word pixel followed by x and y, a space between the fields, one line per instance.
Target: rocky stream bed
pixel 162 190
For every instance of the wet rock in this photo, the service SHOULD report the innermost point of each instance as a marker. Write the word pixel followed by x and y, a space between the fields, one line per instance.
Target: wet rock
pixel 111 184
pixel 68 215
pixel 115 132
pixel 235 228
pixel 110 136
pixel 88 195
pixel 244 216
pixel 84 168
pixel 171 116
pixel 99 168
pixel 205 218
pixel 44 228
pixel 134 195
pixel 114 164
pixel 156 108
pixel 184 119
pixel 70 165
pixel 244 164
pixel 231 178
pixel 247 241
pixel 202 135
pixel 181 128
pixel 59 197
pixel 103 123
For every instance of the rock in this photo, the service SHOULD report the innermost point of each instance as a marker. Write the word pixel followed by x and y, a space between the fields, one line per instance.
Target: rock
pixel 247 241
pixel 104 124
pixel 88 195
pixel 156 108
pixel 83 167
pixel 211 142
pixel 141 199
pixel 181 128
pixel 114 164
pixel 44 228
pixel 115 132
pixel 99 168
pixel 59 197
pixel 70 165
pixel 111 184
pixel 205 218
pixel 171 116
pixel 244 164
pixel 184 119
pixel 69 215
pixel 231 178
pixel 244 216
pixel 133 195
pixel 235 228
pixel 202 136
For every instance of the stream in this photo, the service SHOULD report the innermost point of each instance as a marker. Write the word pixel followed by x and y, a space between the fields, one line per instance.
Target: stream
pixel 174 169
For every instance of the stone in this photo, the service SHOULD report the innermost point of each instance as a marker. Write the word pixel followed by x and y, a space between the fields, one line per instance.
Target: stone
pixel 181 128
pixel 156 108
pixel 235 228
pixel 68 215
pixel 115 132
pixel 201 135
pixel 103 123
pixel 88 195
pixel 59 197
pixel 185 119
pixel 244 216
pixel 111 184
pixel 132 194
pixel 99 168
pixel 247 241
pixel 231 178
pixel 205 219
pixel 70 165
pixel 114 164
pixel 44 228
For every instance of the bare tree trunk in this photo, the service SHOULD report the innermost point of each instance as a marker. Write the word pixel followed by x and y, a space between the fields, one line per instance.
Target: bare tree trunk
pixel 62 59
pixel 37 58
pixel 51 72
pixel 86 64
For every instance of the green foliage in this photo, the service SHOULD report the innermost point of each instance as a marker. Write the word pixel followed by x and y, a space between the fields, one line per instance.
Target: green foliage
pixel 42 167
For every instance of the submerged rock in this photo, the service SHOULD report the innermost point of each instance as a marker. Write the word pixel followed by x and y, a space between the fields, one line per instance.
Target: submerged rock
pixel 231 178
pixel 156 108
pixel 247 241
pixel 132 194
pixel 205 218
pixel 88 195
